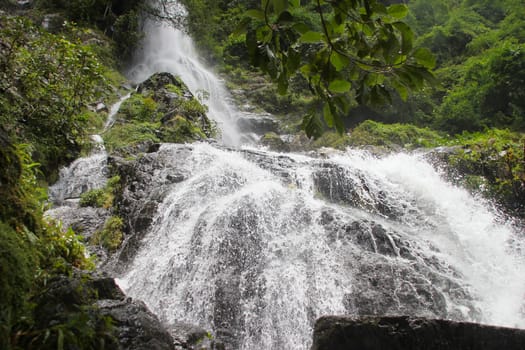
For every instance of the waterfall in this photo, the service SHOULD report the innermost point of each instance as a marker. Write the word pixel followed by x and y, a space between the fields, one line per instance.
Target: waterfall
pixel 255 245
pixel 169 49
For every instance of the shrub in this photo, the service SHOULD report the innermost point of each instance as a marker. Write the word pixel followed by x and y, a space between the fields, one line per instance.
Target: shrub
pixel 111 236
pixel 393 135
pixel 93 198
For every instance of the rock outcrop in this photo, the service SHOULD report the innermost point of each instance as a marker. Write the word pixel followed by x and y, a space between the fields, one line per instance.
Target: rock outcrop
pixel 410 333
pixel 96 300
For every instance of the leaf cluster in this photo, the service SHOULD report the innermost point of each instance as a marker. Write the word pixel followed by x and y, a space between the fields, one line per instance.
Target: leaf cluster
pixel 357 50
pixel 45 82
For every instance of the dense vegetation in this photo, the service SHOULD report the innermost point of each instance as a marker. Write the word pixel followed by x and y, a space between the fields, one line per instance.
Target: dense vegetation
pixel 50 80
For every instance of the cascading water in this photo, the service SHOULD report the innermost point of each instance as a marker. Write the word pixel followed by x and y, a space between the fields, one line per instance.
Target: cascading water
pixel 84 173
pixel 255 245
pixel 168 49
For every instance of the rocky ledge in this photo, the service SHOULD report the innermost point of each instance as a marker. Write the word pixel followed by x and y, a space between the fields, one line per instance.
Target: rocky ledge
pixel 407 333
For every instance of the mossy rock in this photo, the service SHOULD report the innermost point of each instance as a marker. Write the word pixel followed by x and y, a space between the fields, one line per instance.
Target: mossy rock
pixel 162 110
pixel 274 142
pixel 181 130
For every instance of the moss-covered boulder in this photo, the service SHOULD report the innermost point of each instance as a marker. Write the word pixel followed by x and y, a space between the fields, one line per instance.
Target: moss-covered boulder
pixel 161 110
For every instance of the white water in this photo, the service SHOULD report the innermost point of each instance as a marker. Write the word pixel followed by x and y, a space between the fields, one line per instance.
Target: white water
pixel 168 49
pixel 85 173
pixel 247 252
pixel 236 245
pixel 249 243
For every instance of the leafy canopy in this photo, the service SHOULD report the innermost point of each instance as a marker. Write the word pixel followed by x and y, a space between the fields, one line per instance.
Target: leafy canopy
pixel 357 50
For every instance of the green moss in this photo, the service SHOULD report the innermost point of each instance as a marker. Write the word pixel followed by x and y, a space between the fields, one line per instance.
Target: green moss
pixel 111 236
pixel 333 140
pixel 121 136
pixel 139 108
pixel 394 135
pixel 181 130
pixel 274 141
pixel 192 108
pixel 175 89
pixel 93 198
pixel 493 161
pixel 101 197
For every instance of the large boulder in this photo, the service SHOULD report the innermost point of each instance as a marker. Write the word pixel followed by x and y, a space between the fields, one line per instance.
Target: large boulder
pixel 411 333
pixel 92 301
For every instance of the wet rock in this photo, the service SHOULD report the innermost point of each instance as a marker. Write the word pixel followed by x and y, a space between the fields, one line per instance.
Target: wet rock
pixel 257 124
pixel 274 142
pixel 145 182
pixel 339 185
pixel 188 336
pixel 84 221
pixel 24 4
pixel 53 22
pixel 136 327
pixel 410 333
pixel 98 296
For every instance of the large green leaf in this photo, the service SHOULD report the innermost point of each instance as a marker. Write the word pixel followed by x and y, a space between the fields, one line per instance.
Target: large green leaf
pixel 339 61
pixel 312 125
pixel 279 6
pixel 327 114
pixel 311 37
pixel 397 11
pixel 339 86
pixel 425 58
pixel 257 14
pixel 407 36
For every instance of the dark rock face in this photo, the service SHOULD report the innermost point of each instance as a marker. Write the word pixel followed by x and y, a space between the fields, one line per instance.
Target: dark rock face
pixel 84 220
pixel 145 184
pixel 338 185
pixel 408 333
pixel 257 124
pixel 134 327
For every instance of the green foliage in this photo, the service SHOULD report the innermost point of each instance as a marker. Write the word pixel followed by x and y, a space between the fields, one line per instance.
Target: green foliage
pixel 119 19
pixel 46 80
pixel 111 236
pixel 394 136
pixel 496 156
pixel 127 34
pixel 121 136
pixel 488 92
pixel 139 108
pixel 18 258
pixel 101 197
pixel 93 198
pixel 151 117
pixel 181 130
pixel 358 51
pixel 33 248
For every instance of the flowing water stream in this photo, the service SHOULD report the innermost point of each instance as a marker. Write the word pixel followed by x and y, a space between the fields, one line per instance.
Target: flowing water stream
pixel 255 245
